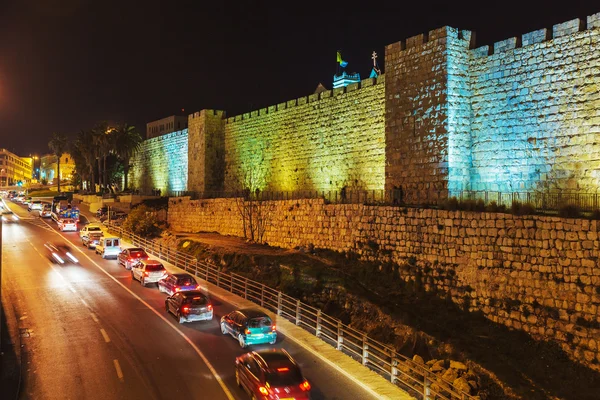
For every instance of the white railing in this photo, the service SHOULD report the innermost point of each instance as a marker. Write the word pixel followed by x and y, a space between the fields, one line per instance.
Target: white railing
pixel 402 371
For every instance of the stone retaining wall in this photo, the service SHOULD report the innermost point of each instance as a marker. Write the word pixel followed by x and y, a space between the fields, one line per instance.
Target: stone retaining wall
pixel 538 274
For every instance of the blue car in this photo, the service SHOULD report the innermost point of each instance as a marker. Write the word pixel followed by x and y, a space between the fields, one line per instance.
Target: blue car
pixel 249 326
pixel 174 283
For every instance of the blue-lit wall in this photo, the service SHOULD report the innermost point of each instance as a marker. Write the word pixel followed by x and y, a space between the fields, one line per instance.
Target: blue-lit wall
pixel 162 163
pixel 536 111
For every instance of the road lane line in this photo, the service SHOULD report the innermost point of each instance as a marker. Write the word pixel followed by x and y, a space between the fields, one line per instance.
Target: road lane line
pixel 84 303
pixel 119 370
pixel 94 318
pixel 105 335
pixel 159 315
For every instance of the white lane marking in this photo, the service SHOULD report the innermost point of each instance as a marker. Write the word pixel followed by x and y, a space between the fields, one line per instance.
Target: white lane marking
pixel 118 369
pixel 159 315
pixel 84 303
pixel 105 335
pixel 94 318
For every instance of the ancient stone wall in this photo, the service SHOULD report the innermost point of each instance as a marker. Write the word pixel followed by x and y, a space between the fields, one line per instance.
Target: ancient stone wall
pixel 325 141
pixel 535 118
pixel 161 163
pixel 538 274
pixel 206 153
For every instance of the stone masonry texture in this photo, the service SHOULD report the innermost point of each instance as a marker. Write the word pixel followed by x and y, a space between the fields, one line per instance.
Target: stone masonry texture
pixel 537 274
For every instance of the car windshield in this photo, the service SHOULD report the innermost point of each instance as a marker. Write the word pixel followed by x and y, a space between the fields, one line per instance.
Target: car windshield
pixel 195 301
pixel 94 228
pixel 289 377
pixel 186 281
pixel 154 267
pixel 259 322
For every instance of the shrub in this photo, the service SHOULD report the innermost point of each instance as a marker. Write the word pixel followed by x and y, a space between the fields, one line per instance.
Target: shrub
pixel 569 211
pixel 450 204
pixel 494 207
pixel 142 221
pixel 518 208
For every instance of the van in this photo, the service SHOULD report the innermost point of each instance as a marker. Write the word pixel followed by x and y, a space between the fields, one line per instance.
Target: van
pixel 109 246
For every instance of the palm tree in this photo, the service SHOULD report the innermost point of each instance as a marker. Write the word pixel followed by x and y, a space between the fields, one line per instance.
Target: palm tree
pixel 58 145
pixel 128 141
pixel 86 157
pixel 103 146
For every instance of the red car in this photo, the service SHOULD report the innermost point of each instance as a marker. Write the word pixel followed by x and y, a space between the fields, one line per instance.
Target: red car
pixel 271 374
pixel 131 256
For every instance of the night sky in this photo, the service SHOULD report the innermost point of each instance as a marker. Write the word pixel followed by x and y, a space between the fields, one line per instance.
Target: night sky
pixel 67 64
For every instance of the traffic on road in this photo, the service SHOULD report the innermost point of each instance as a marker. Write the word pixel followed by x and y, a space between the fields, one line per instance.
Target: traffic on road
pixel 173 338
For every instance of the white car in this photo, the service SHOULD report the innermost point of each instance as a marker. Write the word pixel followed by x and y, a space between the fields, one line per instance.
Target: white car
pixel 90 228
pixel 148 271
pixel 67 224
pixel 35 205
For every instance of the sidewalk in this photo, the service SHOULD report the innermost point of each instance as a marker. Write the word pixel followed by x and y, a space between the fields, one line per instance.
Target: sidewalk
pixel 373 383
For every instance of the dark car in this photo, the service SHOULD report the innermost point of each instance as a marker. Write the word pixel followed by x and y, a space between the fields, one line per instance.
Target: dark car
pixel 271 374
pixel 60 253
pixel 131 256
pixel 249 326
pixel 174 283
pixel 189 306
pixel 101 211
pixel 92 239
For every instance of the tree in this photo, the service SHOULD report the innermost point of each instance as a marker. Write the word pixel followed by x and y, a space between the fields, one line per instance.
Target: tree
pixel 101 140
pixel 85 153
pixel 58 145
pixel 128 141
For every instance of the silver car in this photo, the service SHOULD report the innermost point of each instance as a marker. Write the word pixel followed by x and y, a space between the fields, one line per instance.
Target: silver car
pixel 148 271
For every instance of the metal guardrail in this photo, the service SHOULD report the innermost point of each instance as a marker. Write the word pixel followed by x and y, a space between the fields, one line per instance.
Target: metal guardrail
pixel 402 371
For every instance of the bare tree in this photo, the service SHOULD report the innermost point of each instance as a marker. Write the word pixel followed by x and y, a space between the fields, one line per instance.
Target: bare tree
pixel 256 211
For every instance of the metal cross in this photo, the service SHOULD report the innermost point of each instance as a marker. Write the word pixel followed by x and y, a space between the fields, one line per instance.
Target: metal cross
pixel 374 56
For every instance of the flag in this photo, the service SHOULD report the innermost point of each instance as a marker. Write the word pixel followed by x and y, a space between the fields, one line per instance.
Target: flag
pixel 340 60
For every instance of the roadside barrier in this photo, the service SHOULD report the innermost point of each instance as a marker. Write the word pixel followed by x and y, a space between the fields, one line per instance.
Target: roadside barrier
pixel 402 371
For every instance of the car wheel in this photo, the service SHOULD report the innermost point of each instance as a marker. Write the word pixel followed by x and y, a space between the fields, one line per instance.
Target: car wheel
pixel 242 341
pixel 142 282
pixel 180 318
pixel 223 328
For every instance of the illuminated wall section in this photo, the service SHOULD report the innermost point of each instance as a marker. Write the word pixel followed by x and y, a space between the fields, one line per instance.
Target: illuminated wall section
pixel 161 163
pixel 536 110
pixel 321 142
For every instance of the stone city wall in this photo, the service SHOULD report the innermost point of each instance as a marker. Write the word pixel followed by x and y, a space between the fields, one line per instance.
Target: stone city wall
pixel 535 119
pixel 324 141
pixel 535 273
pixel 161 163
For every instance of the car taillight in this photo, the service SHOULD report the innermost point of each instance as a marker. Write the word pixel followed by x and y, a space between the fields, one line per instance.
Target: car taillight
pixel 177 289
pixel 197 287
pixel 263 390
pixel 305 386
pixel 247 331
pixel 209 307
pixel 146 273
pixel 185 309
pixel 274 328
pixel 283 369
pixel 130 259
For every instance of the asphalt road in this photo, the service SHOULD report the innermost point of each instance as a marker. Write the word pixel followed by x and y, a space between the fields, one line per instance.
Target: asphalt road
pixel 91 332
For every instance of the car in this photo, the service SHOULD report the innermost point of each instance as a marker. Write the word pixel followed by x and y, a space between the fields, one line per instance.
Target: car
pixel 129 257
pixel 89 228
pixel 92 239
pixel 26 200
pixel 174 283
pixel 46 211
pixel 60 253
pixel 67 224
pixel 249 326
pixel 271 374
pixel 19 198
pixel 148 271
pixel 9 217
pixel 35 205
pixel 109 246
pixel 189 306
pixel 115 216
pixel 101 211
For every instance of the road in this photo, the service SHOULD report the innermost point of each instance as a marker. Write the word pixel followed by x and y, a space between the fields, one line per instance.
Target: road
pixel 92 333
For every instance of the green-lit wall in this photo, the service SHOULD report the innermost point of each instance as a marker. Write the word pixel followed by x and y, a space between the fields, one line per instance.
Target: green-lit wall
pixel 325 141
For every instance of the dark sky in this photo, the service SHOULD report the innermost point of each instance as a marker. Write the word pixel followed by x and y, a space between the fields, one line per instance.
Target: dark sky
pixel 66 64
